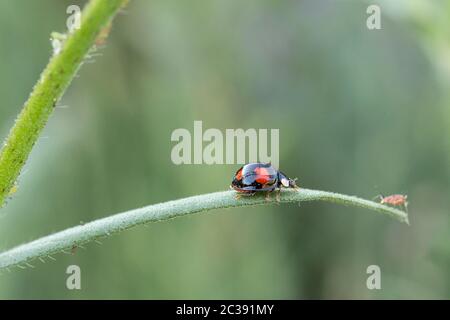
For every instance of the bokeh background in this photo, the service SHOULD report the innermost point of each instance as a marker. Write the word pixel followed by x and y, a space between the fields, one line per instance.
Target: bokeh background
pixel 360 112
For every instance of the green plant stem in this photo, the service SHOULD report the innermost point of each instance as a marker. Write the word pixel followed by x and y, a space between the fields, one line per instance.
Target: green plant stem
pixel 53 82
pixel 79 235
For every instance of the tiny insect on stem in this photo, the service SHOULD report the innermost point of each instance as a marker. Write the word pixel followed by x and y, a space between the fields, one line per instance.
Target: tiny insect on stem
pixel 395 200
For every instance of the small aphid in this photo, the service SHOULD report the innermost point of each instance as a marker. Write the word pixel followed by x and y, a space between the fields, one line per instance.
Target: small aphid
pixel 57 40
pixel 396 200
pixel 104 32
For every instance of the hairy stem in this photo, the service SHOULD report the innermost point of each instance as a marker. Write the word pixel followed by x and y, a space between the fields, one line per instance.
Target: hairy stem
pixel 79 235
pixel 53 81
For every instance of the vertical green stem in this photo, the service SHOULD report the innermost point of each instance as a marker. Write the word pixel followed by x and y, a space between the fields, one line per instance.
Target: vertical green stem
pixel 53 82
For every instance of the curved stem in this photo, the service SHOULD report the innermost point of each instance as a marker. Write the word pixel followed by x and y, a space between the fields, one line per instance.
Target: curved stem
pixel 53 82
pixel 76 236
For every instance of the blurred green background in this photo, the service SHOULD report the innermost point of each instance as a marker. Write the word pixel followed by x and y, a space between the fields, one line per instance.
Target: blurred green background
pixel 360 112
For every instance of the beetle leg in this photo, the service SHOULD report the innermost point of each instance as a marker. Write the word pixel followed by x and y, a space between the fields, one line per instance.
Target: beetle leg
pixel 278 195
pixel 239 195
pixel 268 195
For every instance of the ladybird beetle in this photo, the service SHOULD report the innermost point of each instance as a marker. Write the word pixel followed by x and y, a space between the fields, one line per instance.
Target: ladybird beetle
pixel 259 177
pixel 396 200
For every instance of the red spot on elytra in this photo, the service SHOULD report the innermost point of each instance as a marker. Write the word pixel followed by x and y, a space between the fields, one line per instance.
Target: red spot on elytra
pixel 262 175
pixel 239 175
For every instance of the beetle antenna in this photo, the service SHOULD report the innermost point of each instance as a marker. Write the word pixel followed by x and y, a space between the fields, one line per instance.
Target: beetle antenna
pixel 378 197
